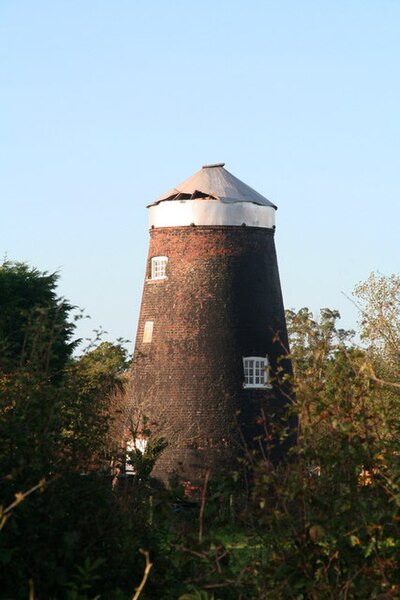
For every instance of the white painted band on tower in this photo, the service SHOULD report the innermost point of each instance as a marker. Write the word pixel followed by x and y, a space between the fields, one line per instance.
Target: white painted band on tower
pixel 182 213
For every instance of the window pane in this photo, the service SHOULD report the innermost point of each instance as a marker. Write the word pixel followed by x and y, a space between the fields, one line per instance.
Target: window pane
pixel 255 371
pixel 159 267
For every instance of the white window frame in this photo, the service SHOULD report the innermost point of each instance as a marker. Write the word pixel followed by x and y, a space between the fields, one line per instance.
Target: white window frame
pixel 256 372
pixel 159 267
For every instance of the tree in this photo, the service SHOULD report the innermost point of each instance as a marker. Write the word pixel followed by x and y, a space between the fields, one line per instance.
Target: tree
pixel 315 343
pixel 379 304
pixel 54 420
pixel 35 331
pixel 93 420
pixel 378 299
pixel 35 345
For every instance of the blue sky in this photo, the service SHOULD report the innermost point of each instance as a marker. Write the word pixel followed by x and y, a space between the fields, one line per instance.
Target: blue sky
pixel 106 105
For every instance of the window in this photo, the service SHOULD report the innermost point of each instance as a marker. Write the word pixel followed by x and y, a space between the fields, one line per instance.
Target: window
pixel 159 267
pixel 256 372
pixel 133 447
pixel 148 332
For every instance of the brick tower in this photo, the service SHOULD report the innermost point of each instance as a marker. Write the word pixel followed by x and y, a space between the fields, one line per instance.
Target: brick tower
pixel 211 341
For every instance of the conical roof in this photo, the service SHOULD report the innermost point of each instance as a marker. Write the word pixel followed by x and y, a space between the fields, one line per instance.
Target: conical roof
pixel 213 181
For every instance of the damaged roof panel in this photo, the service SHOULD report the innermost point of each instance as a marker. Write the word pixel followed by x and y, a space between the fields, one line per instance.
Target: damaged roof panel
pixel 213 181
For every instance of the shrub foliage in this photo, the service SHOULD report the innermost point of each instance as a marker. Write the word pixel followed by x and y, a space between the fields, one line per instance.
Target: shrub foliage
pixel 324 524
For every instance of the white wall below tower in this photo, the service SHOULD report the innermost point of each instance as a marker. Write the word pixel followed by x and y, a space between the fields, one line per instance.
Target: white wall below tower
pixel 180 213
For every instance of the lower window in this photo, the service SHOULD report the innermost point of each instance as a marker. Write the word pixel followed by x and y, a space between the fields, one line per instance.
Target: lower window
pixel 256 372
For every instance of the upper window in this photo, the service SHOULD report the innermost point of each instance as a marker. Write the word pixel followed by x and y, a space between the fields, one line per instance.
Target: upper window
pixel 159 267
pixel 256 372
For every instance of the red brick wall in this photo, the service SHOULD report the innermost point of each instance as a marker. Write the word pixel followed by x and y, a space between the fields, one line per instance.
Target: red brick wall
pixel 221 301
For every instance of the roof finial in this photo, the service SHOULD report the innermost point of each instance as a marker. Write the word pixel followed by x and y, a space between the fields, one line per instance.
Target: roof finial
pixel 212 166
